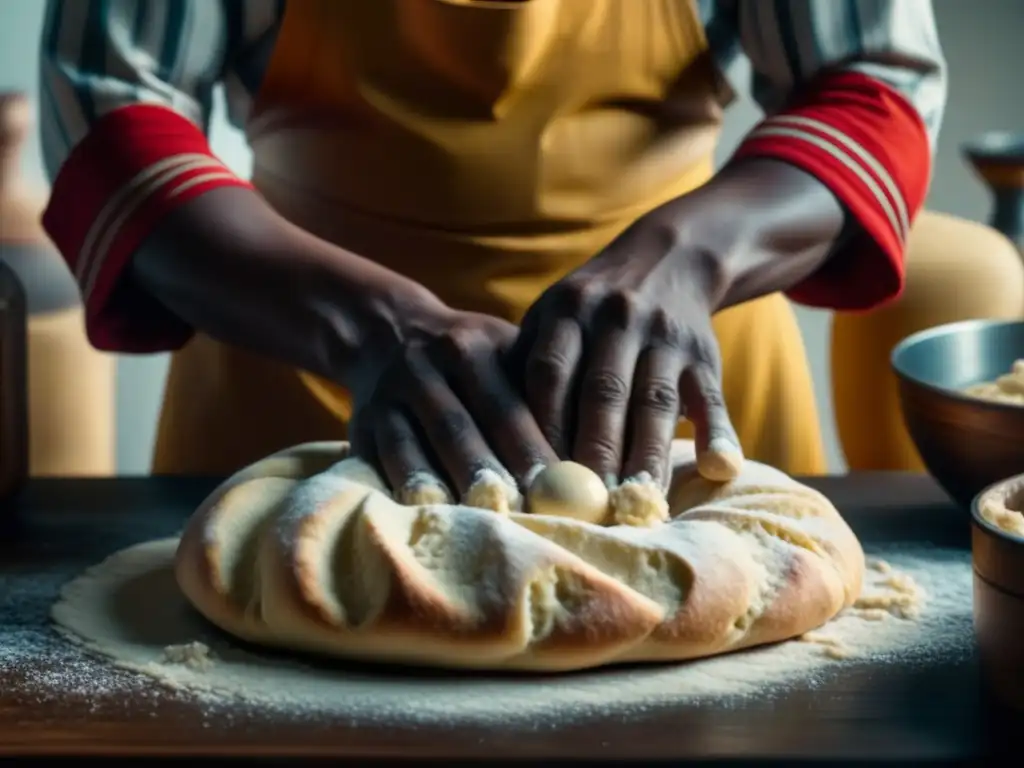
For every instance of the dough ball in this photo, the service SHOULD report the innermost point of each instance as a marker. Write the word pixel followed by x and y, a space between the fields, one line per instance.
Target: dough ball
pixel 568 489
pixel 721 463
pixel 639 502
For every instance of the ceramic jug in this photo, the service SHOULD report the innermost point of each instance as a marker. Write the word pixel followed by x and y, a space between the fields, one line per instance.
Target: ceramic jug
pixel 70 385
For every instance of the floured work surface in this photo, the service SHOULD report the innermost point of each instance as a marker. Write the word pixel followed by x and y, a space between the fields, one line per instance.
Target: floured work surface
pixel 871 684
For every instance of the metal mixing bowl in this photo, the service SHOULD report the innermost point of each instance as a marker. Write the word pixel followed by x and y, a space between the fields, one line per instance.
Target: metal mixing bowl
pixel 966 444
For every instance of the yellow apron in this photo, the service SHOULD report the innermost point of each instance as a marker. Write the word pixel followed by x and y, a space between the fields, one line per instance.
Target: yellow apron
pixel 484 149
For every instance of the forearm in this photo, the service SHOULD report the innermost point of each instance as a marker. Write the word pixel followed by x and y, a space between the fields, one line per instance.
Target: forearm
pixel 164 241
pixel 760 226
pixel 228 265
pixel 819 199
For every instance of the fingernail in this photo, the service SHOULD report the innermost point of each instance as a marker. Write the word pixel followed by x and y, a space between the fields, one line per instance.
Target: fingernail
pixel 724 445
pixel 531 475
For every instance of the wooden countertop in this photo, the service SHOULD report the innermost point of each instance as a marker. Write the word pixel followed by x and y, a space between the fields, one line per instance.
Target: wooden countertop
pixel 922 713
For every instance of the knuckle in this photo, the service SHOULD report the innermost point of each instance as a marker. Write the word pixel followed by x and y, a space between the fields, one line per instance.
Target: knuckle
pixel 712 397
pixel 606 388
pixel 546 372
pixel 605 453
pixel 660 396
pixel 500 333
pixel 458 344
pixel 666 330
pixel 572 297
pixel 621 309
pixel 704 350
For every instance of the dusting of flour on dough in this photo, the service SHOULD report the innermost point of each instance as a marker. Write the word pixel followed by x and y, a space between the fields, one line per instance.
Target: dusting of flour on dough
pixel 128 638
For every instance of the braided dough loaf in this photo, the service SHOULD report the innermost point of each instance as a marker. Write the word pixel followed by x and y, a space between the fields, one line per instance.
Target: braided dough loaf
pixel 306 550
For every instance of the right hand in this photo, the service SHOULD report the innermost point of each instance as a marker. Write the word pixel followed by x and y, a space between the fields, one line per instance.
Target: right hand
pixel 436 409
pixel 430 397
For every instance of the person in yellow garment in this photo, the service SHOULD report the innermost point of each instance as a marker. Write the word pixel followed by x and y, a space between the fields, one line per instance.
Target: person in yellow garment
pixel 483 234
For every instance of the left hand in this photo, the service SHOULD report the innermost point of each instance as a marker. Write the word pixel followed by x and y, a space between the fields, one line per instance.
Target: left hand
pixel 612 356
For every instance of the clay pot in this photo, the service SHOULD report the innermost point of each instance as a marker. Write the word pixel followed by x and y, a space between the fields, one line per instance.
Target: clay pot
pixel 70 385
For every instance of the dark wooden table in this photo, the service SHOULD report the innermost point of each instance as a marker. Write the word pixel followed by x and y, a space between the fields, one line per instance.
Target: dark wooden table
pixel 923 713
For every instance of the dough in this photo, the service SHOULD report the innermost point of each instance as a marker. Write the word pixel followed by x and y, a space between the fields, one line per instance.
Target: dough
pixel 638 502
pixel 568 489
pixel 307 550
pixel 1008 389
pixel 1003 506
pixel 129 612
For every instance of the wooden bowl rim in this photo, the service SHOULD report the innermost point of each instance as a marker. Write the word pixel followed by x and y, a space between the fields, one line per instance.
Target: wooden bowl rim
pixel 1004 552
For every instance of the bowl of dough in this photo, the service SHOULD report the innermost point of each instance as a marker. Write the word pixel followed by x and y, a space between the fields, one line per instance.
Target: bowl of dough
pixel 961 391
pixel 997 545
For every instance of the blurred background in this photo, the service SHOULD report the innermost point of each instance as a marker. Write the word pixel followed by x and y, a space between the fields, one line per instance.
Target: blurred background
pixel 981 40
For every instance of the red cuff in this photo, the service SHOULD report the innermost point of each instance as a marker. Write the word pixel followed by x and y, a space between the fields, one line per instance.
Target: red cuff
pixel 869 146
pixel 135 165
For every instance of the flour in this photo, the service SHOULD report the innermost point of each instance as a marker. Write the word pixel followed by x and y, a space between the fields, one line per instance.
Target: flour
pixel 129 611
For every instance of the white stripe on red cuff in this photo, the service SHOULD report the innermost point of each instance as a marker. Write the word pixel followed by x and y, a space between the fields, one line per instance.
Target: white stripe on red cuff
pixel 152 181
pixel 851 155
pixel 878 170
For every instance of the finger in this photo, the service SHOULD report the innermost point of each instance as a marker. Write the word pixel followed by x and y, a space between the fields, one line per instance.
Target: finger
pixel 453 437
pixel 361 436
pixel 551 367
pixel 654 413
pixel 507 422
pixel 605 388
pixel 409 471
pixel 719 456
pixel 514 357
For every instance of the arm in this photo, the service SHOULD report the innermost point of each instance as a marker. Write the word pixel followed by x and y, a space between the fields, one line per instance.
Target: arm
pixel 819 198
pixel 164 239
pixel 816 202
pixel 161 236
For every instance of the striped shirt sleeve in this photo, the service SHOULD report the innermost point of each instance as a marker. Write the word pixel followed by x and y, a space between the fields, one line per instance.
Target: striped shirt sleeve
pixel 126 94
pixel 853 93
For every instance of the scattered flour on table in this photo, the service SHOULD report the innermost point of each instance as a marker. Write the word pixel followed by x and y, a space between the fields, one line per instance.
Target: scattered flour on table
pixel 138 631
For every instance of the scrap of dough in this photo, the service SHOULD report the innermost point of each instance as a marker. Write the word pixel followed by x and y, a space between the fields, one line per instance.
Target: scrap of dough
pixel 568 489
pixel 307 550
pixel 639 502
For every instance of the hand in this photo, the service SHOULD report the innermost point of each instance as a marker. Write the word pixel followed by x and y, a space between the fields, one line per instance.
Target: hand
pixel 430 399
pixel 611 356
pixel 438 406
